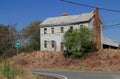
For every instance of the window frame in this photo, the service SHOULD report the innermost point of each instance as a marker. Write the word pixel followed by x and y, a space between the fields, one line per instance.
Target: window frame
pixel 45 30
pixel 52 30
pixel 71 27
pixel 53 44
pixel 81 25
pixel 45 44
pixel 62 29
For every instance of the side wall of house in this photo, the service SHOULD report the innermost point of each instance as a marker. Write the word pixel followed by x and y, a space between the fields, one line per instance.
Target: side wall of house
pixel 49 37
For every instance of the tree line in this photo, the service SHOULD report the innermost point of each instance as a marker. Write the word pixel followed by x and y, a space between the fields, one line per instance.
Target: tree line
pixel 28 37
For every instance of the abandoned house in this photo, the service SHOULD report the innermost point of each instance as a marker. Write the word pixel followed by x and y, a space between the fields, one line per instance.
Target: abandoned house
pixel 52 30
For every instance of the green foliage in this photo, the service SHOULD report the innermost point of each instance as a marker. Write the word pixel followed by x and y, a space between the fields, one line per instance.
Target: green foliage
pixel 7 71
pixel 78 42
pixel 31 37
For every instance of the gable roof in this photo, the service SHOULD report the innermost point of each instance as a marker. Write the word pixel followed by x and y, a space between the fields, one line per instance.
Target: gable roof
pixel 65 20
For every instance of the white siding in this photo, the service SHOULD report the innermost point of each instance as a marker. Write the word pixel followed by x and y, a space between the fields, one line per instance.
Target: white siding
pixel 57 36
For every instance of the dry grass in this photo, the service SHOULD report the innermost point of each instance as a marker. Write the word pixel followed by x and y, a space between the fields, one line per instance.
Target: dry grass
pixel 28 75
pixel 40 59
pixel 25 76
pixel 105 60
pixel 2 77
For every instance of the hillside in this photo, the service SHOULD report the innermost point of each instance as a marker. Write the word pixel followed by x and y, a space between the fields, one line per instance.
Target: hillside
pixel 102 60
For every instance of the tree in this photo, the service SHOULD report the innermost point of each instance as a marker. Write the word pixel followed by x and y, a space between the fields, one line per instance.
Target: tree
pixel 78 42
pixel 7 40
pixel 31 35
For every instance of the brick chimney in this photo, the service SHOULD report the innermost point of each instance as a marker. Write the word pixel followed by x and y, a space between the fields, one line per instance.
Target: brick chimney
pixel 97 29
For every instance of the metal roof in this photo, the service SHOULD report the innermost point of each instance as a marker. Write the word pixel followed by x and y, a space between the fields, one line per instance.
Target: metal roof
pixel 108 41
pixel 70 19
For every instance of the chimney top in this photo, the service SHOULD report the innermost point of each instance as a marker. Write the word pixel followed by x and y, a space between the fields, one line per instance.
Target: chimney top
pixel 95 10
pixel 64 14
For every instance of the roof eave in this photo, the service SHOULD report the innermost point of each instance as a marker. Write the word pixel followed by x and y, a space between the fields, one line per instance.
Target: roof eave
pixel 52 25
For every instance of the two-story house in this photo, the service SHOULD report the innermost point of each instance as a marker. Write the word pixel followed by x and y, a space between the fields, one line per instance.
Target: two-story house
pixel 52 29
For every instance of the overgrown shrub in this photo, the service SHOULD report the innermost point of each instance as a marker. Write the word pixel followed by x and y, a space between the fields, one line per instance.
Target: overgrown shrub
pixel 78 42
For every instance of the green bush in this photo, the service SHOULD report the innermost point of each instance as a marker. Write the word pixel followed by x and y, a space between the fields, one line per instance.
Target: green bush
pixel 78 42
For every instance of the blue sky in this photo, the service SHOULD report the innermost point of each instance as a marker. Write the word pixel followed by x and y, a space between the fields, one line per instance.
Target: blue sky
pixel 23 12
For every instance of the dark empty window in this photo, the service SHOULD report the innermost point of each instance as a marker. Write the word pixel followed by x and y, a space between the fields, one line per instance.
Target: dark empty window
pixel 45 30
pixel 71 27
pixel 52 30
pixel 81 25
pixel 62 29
pixel 53 44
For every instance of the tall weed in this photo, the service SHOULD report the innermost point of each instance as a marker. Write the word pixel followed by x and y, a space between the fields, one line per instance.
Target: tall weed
pixel 8 71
